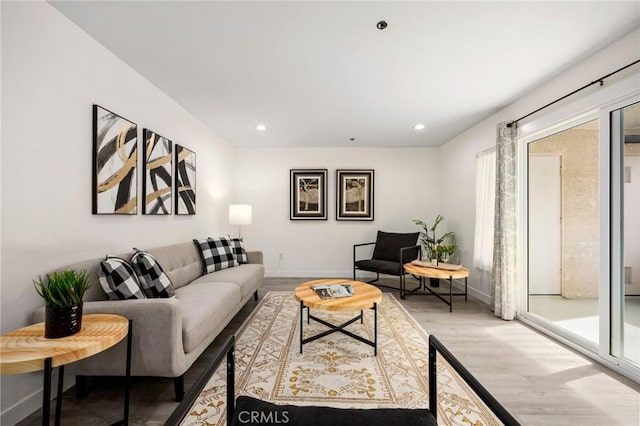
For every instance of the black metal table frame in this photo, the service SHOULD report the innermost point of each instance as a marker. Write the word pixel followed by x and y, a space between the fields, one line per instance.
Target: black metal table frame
pixel 423 286
pixel 339 328
pixel 46 398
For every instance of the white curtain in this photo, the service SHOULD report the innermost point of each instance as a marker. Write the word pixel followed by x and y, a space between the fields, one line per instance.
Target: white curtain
pixel 485 208
pixel 504 290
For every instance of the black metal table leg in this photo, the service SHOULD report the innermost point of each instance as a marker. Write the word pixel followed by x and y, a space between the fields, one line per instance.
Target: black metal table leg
pixel 46 397
pixel 231 386
pixel 59 395
pixel 301 321
pixel 465 288
pixel 450 294
pixel 339 328
pixel 375 329
pixel 127 387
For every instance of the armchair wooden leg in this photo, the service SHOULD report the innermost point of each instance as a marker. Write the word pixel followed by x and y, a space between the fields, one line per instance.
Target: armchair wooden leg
pixel 255 295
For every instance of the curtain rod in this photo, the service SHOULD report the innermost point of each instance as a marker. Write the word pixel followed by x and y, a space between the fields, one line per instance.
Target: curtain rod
pixel 599 80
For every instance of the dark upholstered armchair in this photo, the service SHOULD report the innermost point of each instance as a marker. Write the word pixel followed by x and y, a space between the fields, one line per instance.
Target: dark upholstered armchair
pixel 391 251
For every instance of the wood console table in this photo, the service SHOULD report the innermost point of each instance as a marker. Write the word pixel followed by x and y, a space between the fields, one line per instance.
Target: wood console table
pixel 441 274
pixel 26 350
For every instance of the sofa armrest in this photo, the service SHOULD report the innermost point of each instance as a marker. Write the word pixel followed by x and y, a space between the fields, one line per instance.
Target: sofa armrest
pixel 255 256
pixel 158 351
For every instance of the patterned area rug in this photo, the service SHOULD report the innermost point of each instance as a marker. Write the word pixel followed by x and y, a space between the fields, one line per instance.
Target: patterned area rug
pixel 337 370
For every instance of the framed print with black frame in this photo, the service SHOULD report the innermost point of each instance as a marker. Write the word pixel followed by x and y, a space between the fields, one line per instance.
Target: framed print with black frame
pixel 157 180
pixel 308 194
pixel 115 159
pixel 354 195
pixel 185 180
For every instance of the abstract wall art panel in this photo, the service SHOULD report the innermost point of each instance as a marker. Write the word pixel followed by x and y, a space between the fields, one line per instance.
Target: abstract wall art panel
pixel 185 180
pixel 115 156
pixel 308 196
pixel 157 181
pixel 354 195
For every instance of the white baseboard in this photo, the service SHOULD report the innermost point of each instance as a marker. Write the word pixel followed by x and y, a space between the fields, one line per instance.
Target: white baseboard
pixel 32 403
pixel 316 274
pixel 481 296
pixel 477 294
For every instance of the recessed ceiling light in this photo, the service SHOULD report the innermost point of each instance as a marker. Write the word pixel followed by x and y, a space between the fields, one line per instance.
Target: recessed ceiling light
pixel 418 126
pixel 261 127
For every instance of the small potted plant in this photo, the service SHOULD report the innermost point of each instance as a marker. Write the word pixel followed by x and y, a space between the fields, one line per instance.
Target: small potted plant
pixel 62 293
pixel 436 249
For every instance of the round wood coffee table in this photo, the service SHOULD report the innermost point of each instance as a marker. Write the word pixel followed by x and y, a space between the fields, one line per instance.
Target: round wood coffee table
pixel 365 296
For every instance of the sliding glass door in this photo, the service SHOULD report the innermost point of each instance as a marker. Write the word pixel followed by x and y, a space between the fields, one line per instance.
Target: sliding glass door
pixel 581 232
pixel 625 233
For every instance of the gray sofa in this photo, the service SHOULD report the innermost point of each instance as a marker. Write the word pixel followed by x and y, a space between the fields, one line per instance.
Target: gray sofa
pixel 169 334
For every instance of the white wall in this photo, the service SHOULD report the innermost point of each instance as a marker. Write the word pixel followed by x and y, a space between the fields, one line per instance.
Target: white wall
pixel 52 73
pixel 458 155
pixel 407 182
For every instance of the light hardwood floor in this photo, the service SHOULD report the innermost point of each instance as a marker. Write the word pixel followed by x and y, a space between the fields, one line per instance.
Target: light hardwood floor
pixel 540 381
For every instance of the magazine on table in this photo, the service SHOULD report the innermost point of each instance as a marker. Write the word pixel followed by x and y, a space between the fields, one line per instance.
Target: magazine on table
pixel 332 291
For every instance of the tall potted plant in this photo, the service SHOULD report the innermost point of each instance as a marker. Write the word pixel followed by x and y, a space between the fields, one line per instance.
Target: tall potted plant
pixel 436 249
pixel 62 293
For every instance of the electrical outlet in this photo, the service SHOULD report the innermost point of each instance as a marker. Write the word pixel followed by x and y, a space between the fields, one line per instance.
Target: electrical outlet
pixel 281 256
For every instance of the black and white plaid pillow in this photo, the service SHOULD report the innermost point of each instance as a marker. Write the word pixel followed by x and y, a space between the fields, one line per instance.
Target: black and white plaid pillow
pixel 237 248
pixel 118 280
pixel 216 254
pixel 153 281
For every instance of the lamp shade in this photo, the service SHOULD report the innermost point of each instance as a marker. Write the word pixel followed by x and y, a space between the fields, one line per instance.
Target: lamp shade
pixel 240 214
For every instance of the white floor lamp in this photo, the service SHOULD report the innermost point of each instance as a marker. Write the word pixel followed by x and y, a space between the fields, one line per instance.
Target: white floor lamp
pixel 240 214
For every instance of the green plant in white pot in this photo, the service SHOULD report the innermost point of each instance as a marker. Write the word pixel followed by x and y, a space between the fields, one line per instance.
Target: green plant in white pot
pixel 436 249
pixel 63 293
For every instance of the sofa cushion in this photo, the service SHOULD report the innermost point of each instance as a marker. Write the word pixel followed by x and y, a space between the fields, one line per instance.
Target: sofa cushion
pixel 388 245
pixel 247 277
pixel 381 266
pixel 216 254
pixel 118 280
pixel 238 250
pixel 200 319
pixel 153 280
pixel 181 262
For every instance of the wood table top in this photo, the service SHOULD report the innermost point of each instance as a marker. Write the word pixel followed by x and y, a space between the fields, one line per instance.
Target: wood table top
pixel 427 272
pixel 24 350
pixel 365 295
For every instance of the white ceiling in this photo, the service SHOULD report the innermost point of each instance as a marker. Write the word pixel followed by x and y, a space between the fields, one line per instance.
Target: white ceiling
pixel 319 73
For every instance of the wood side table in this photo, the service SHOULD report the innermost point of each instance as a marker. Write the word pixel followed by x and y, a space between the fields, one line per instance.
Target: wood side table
pixel 26 350
pixel 365 296
pixel 441 274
